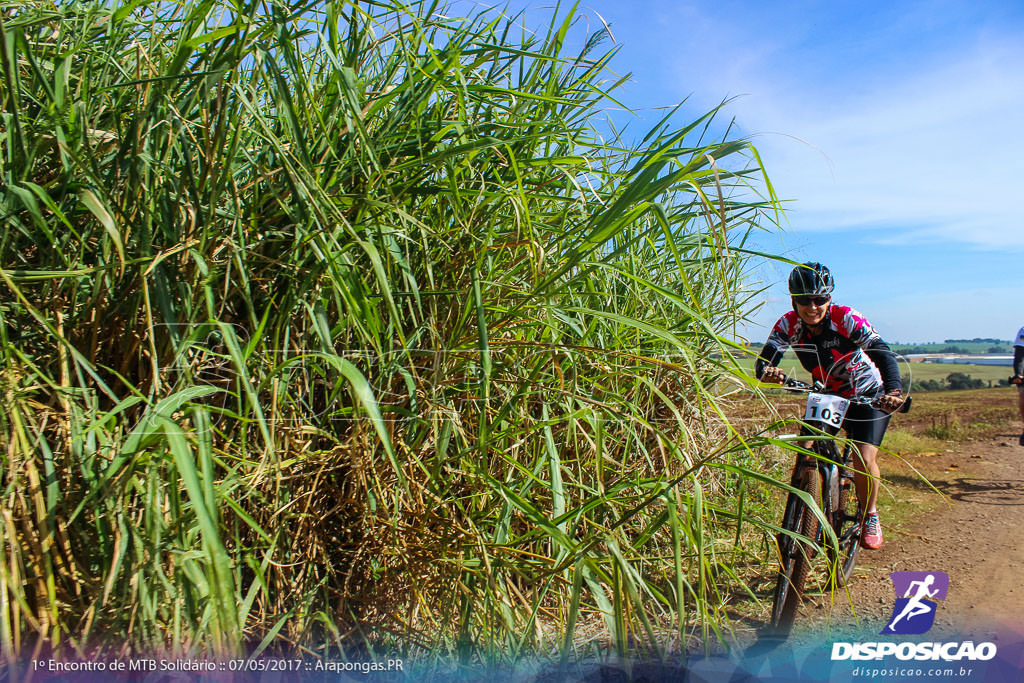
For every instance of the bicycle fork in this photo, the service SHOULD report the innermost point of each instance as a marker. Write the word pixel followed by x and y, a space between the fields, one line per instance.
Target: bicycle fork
pixel 837 485
pixel 847 488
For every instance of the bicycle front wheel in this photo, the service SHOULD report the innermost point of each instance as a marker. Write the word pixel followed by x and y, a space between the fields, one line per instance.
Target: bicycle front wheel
pixel 796 554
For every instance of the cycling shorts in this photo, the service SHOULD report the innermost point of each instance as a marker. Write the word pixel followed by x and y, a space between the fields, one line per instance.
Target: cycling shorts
pixel 863 424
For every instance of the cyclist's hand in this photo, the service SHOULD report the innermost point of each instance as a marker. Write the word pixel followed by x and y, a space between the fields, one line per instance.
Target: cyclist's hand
pixel 1017 379
pixel 773 375
pixel 892 401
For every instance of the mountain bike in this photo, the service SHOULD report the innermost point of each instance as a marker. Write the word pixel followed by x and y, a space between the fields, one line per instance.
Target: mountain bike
pixel 827 479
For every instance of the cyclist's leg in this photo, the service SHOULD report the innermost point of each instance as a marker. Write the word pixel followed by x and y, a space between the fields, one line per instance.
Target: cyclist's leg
pixel 866 426
pixel 866 474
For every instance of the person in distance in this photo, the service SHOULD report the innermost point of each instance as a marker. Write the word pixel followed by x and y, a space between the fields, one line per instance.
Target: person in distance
pixel 1018 375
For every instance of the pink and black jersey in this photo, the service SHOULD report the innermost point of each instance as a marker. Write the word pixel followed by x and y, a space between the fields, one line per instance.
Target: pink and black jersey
pixel 848 357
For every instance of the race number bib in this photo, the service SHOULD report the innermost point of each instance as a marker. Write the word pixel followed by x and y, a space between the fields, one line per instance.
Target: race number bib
pixel 826 408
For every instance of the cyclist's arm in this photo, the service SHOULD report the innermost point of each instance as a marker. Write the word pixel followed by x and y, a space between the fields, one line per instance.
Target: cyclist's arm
pixel 885 360
pixel 773 349
pixel 1018 361
pixel 770 357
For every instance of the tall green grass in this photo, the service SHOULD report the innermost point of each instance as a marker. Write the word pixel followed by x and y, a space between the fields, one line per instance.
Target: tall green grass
pixel 341 327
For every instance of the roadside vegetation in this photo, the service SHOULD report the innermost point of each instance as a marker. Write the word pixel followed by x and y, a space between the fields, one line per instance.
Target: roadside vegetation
pixel 340 328
pixel 944 420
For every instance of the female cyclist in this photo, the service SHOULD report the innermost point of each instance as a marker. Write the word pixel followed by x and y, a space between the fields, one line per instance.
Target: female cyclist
pixel 840 349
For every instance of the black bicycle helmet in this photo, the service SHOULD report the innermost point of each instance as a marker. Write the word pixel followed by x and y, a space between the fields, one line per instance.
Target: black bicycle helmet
pixel 810 279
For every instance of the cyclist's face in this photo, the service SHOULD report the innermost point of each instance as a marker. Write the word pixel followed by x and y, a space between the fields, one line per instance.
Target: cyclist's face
pixel 812 313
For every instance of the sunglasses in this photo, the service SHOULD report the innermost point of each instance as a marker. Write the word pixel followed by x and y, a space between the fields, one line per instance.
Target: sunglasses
pixel 808 300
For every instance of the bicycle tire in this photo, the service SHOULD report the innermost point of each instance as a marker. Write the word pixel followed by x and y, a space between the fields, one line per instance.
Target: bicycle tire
pixel 797 562
pixel 790 522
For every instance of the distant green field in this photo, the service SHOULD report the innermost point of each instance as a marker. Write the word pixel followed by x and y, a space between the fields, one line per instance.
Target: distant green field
pixel 924 371
pixel 956 347
pixel 918 372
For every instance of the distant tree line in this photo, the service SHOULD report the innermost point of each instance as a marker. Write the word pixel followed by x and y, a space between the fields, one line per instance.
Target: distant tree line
pixel 1004 348
pixel 953 381
pixel 924 349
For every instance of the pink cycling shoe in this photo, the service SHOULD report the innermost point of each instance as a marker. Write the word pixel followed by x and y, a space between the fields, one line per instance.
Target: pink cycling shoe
pixel 871 534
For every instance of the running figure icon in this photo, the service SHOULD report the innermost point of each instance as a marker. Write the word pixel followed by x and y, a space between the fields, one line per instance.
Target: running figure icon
pixel 914 612
pixel 915 606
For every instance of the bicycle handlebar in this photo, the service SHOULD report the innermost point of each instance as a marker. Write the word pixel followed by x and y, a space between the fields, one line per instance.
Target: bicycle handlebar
pixel 791 384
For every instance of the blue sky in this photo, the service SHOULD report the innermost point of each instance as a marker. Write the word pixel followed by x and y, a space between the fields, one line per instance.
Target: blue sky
pixel 894 130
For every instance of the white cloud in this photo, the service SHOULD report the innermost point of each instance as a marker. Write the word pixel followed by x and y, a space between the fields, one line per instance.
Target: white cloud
pixel 935 146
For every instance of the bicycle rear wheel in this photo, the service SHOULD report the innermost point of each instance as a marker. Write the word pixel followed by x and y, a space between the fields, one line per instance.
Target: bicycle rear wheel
pixel 795 554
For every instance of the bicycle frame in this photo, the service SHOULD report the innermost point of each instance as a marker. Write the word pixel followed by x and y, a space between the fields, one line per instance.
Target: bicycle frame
pixel 837 483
